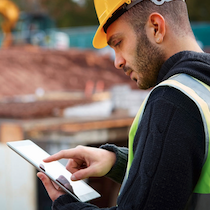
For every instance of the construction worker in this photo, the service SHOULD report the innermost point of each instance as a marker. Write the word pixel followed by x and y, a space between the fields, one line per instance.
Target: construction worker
pixel 167 165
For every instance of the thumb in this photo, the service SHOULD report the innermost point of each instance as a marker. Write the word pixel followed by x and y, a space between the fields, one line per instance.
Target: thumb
pixel 52 191
pixel 46 182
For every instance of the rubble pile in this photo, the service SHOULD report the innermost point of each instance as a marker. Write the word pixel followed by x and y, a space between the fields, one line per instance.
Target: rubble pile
pixel 24 70
pixel 30 71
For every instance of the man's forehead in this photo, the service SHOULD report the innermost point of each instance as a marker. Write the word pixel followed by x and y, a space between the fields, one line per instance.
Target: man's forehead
pixel 116 30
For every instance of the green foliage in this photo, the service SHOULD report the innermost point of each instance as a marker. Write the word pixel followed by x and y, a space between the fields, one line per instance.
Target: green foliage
pixel 199 10
pixel 67 13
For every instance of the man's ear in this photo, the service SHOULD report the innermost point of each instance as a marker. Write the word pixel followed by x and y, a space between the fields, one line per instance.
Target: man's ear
pixel 157 27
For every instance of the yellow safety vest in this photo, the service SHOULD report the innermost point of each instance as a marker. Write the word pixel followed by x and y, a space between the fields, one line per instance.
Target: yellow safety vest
pixel 200 94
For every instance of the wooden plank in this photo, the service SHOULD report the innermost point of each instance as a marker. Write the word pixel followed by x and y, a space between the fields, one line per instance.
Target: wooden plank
pixel 96 125
pixel 11 132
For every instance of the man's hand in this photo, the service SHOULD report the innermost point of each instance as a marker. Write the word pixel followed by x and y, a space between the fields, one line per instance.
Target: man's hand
pixel 54 191
pixel 85 161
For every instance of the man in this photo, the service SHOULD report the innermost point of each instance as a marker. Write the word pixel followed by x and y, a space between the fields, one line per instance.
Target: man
pixel 168 142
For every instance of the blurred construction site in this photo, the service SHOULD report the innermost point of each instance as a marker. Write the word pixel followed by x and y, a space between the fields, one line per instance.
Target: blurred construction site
pixel 59 92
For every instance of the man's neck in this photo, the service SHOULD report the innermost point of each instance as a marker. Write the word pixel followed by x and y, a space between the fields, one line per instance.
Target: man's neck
pixel 180 44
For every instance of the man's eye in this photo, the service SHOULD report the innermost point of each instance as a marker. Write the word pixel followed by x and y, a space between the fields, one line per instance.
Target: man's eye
pixel 118 43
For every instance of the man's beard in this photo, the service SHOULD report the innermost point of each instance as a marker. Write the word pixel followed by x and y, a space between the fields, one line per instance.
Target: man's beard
pixel 148 61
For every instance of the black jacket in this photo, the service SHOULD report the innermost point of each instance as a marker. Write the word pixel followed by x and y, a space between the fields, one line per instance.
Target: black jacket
pixel 169 145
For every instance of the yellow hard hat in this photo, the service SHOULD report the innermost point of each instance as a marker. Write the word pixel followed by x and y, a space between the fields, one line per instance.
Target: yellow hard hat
pixel 108 11
pixel 104 10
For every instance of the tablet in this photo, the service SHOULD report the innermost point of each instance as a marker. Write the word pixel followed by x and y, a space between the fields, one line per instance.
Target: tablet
pixel 31 152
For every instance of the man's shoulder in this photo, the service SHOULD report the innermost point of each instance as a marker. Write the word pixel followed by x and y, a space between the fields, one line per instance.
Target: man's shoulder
pixel 168 93
pixel 172 96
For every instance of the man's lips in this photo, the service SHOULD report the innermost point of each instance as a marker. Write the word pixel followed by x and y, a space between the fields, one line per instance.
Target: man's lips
pixel 128 73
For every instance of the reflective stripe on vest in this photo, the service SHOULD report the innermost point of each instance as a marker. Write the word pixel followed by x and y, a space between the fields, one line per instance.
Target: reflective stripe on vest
pixel 200 94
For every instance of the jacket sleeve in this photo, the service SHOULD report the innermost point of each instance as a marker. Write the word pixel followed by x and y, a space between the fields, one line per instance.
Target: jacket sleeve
pixel 66 202
pixel 117 172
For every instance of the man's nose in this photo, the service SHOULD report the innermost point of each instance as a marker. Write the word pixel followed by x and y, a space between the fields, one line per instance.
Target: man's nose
pixel 119 61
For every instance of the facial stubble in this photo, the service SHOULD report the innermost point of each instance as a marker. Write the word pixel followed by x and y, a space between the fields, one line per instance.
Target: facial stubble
pixel 148 61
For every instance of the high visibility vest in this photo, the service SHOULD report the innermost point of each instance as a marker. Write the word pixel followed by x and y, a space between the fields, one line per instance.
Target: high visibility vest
pixel 200 94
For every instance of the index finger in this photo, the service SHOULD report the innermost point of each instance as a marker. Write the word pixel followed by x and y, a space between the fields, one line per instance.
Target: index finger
pixel 63 154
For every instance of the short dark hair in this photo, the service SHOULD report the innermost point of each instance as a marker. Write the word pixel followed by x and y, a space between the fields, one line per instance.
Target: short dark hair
pixel 175 13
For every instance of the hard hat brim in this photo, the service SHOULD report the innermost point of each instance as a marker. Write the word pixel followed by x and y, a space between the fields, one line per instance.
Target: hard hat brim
pixel 100 38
